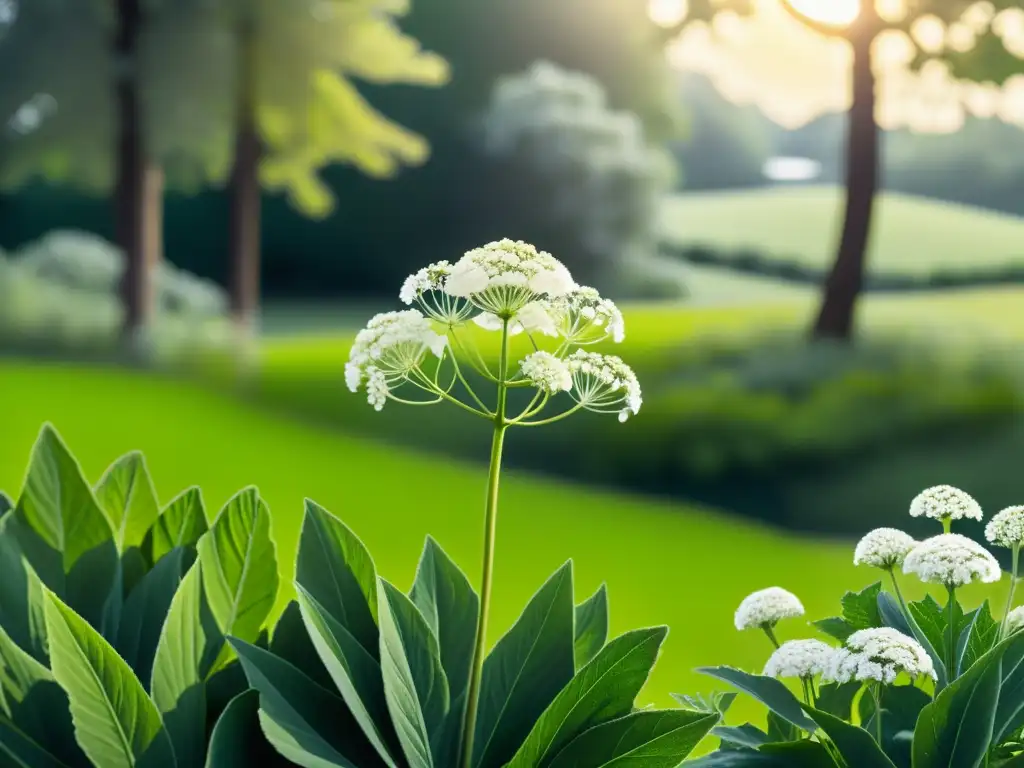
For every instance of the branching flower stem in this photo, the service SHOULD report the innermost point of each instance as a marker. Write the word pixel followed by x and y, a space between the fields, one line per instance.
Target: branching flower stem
pixel 951 635
pixel 550 420
pixel 490 529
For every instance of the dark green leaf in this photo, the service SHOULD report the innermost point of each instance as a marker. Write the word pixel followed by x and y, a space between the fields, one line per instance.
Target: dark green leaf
pixel 525 671
pixel 237 741
pixel 1010 712
pixel 19 750
pixel 239 569
pixel 780 729
pixel 837 698
pixel 181 524
pixel 126 494
pixel 62 531
pixel 306 723
pixel 901 706
pixel 746 735
pixel 981 636
pixel 145 612
pixel 718 701
pixel 336 569
pixel 447 601
pixel 855 744
pixel 115 721
pixel 769 691
pixel 414 684
pixel 930 618
pixel 956 728
pixel 591 626
pixel 603 690
pixel 356 674
pixel 835 626
pixel 6 504
pixel 893 617
pixel 860 609
pixel 646 739
pixel 292 643
pixel 794 754
pixel 21 597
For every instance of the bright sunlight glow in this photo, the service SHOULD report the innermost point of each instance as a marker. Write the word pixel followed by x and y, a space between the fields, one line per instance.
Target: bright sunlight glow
pixel 839 13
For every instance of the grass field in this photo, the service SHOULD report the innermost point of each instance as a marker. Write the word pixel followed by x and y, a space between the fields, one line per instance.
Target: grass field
pixel 913 235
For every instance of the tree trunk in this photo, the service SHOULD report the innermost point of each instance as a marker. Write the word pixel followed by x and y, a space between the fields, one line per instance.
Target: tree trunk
pixel 245 195
pixel 138 191
pixel 843 287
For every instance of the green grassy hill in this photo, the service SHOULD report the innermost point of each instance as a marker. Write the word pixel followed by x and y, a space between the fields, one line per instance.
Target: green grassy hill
pixel 913 235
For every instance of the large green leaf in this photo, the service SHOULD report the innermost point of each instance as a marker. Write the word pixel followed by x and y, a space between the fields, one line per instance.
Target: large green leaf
pixel 145 611
pixel 237 741
pixel 979 637
pixel 893 616
pixel 414 683
pixel 239 568
pixel 746 735
pixel 291 642
pixel 21 596
pixel 19 750
pixel 6 504
pixel 603 690
pixel 837 698
pixel 306 723
pixel 645 739
pixel 1010 711
pixel 769 691
pixel 189 643
pixel 525 671
pixel 62 531
pixel 855 744
pixel 901 707
pixel 336 569
pixel 450 605
pixel 181 524
pixel 355 673
pixel 591 626
pixel 126 494
pixel 956 728
pixel 116 723
pixel 793 754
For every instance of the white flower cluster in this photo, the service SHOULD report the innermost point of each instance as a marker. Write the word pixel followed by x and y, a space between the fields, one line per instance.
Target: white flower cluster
pixel 584 317
pixel 430 278
pixel 391 345
pixel 799 658
pixel 879 655
pixel 603 383
pixel 883 548
pixel 1006 529
pixel 1015 619
pixel 546 372
pixel 766 608
pixel 952 560
pixel 532 318
pixel 944 502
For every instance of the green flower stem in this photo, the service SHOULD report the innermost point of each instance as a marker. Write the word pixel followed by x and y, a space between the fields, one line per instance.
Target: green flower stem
pixel 490 528
pixel 771 635
pixel 947 524
pixel 465 384
pixel 951 636
pixel 551 420
pixel 1013 586
pixel 899 597
pixel 876 692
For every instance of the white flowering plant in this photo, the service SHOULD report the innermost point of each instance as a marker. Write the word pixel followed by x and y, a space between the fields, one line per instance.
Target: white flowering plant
pixel 892 683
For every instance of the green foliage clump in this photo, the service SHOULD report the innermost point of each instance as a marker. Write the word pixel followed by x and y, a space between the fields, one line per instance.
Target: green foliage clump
pixel 135 633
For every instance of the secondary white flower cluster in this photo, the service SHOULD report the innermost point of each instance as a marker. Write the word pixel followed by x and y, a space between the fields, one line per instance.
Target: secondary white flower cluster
pixel 584 317
pixel 944 502
pixel 799 658
pixel 546 372
pixel 604 383
pixel 1006 529
pixel 883 548
pixel 952 560
pixel 767 608
pixel 878 655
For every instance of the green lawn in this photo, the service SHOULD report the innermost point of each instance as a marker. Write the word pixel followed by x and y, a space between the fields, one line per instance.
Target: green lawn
pixel 664 563
pixel 912 235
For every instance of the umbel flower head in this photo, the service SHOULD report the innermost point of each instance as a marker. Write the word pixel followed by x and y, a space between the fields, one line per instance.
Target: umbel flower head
pixel 944 502
pixel 883 548
pixel 426 288
pixel 603 383
pixel 767 608
pixel 1006 529
pixel 879 655
pixel 546 372
pixel 799 658
pixel 952 560
pixel 584 317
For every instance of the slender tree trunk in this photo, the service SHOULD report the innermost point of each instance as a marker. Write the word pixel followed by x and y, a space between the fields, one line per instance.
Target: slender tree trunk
pixel 138 191
pixel 843 287
pixel 245 194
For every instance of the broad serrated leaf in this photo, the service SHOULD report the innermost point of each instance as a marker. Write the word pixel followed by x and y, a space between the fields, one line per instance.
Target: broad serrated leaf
pixel 893 616
pixel 181 524
pixel 856 745
pixel 145 611
pixel 980 637
pixel 860 609
pixel 591 626
pixel 930 618
pixel 746 735
pixel 769 691
pixel 62 531
pixel 525 671
pixel 116 723
pixel 237 740
pixel 239 570
pixel 355 673
pixel 336 569
pixel 127 497
pixel 189 643
pixel 646 739
pixel 835 626
pixel 306 723
pixel 605 689
pixel 414 684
